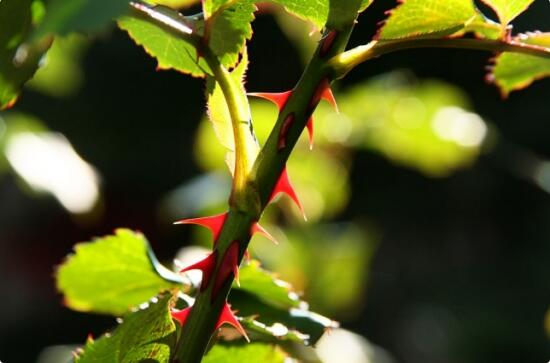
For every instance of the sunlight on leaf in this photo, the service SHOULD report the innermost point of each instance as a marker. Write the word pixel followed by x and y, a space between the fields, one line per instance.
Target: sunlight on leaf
pixel 315 11
pixel 111 275
pixel 436 18
pixel 248 353
pixel 507 10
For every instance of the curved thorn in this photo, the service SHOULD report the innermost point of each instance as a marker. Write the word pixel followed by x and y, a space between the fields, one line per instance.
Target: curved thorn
pixel 180 315
pixel 328 96
pixel 278 98
pixel 207 266
pixel 256 228
pixel 227 317
pixel 213 223
pixel 284 186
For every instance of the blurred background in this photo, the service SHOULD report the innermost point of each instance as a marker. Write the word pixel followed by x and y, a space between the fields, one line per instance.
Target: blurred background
pixel 428 196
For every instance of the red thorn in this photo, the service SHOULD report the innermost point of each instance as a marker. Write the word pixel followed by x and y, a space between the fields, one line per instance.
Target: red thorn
pixel 279 98
pixel 180 315
pixel 230 264
pixel 328 96
pixel 247 255
pixel 256 228
pixel 328 40
pixel 227 317
pixel 283 186
pixel 206 266
pixel 213 223
pixel 309 126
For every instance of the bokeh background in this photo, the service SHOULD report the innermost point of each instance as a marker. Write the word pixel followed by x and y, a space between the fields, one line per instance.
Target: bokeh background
pixel 428 196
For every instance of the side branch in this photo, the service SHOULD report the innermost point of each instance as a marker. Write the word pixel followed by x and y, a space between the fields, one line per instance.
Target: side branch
pixel 343 63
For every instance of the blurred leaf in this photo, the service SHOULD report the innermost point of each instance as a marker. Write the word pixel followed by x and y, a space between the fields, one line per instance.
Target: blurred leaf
pixel 18 61
pixel 265 286
pixel 170 50
pixel 64 16
pixel 148 334
pixel 62 74
pixel 507 10
pixel 175 4
pixel 229 29
pixel 365 4
pixel 298 319
pixel 111 274
pixel 424 125
pixel 249 353
pixel 435 18
pixel 513 71
pixel 315 11
pixel 276 333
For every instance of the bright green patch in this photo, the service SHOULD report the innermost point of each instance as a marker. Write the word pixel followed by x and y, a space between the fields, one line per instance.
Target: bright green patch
pixel 507 10
pixel 249 353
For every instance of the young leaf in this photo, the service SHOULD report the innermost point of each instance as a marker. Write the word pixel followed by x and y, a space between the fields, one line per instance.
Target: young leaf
pixel 229 29
pixel 148 334
pixel 254 352
pixel 513 71
pixel 111 274
pixel 18 63
pixel 266 287
pixel 416 18
pixel 210 7
pixel 343 12
pixel 170 49
pixel 507 10
pixel 315 11
pixel 64 16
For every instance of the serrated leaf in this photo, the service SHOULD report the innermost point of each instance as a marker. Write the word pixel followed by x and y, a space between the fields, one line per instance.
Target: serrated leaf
pixel 435 18
pixel 316 11
pixel 64 16
pixel 507 10
pixel 229 29
pixel 111 274
pixel 249 353
pixel 266 287
pixel 148 334
pixel 170 49
pixel 513 71
pixel 210 7
pixel 18 62
pixel 343 12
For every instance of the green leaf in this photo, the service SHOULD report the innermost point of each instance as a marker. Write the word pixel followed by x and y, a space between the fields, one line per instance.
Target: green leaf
pixel 248 353
pixel 229 29
pixel 64 16
pixel 170 49
pixel 343 12
pixel 210 7
pixel 174 4
pixel 112 274
pixel 435 18
pixel 266 287
pixel 18 62
pixel 513 71
pixel 507 10
pixel 365 4
pixel 315 11
pixel 148 334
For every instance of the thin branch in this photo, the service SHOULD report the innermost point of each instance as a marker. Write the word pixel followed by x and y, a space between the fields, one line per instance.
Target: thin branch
pixel 345 62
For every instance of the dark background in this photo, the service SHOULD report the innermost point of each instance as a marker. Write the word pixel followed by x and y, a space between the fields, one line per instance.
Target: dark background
pixel 461 274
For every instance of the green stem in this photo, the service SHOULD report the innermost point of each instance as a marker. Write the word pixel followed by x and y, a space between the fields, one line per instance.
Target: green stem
pixel 344 62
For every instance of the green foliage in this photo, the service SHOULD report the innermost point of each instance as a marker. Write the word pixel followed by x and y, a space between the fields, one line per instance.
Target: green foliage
pixel 250 353
pixel 148 334
pixel 516 71
pixel 63 17
pixel 18 61
pixel 111 274
pixel 417 18
pixel 171 50
pixel 507 10
pixel 314 11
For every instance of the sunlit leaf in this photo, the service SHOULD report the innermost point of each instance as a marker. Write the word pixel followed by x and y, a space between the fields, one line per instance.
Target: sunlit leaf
pixel 266 287
pixel 315 11
pixel 145 335
pixel 248 353
pixel 415 18
pixel 18 62
pixel 513 71
pixel 507 10
pixel 365 4
pixel 112 274
pixel 170 49
pixel 229 29
pixel 175 4
pixel 210 7
pixel 64 16
pixel 344 12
